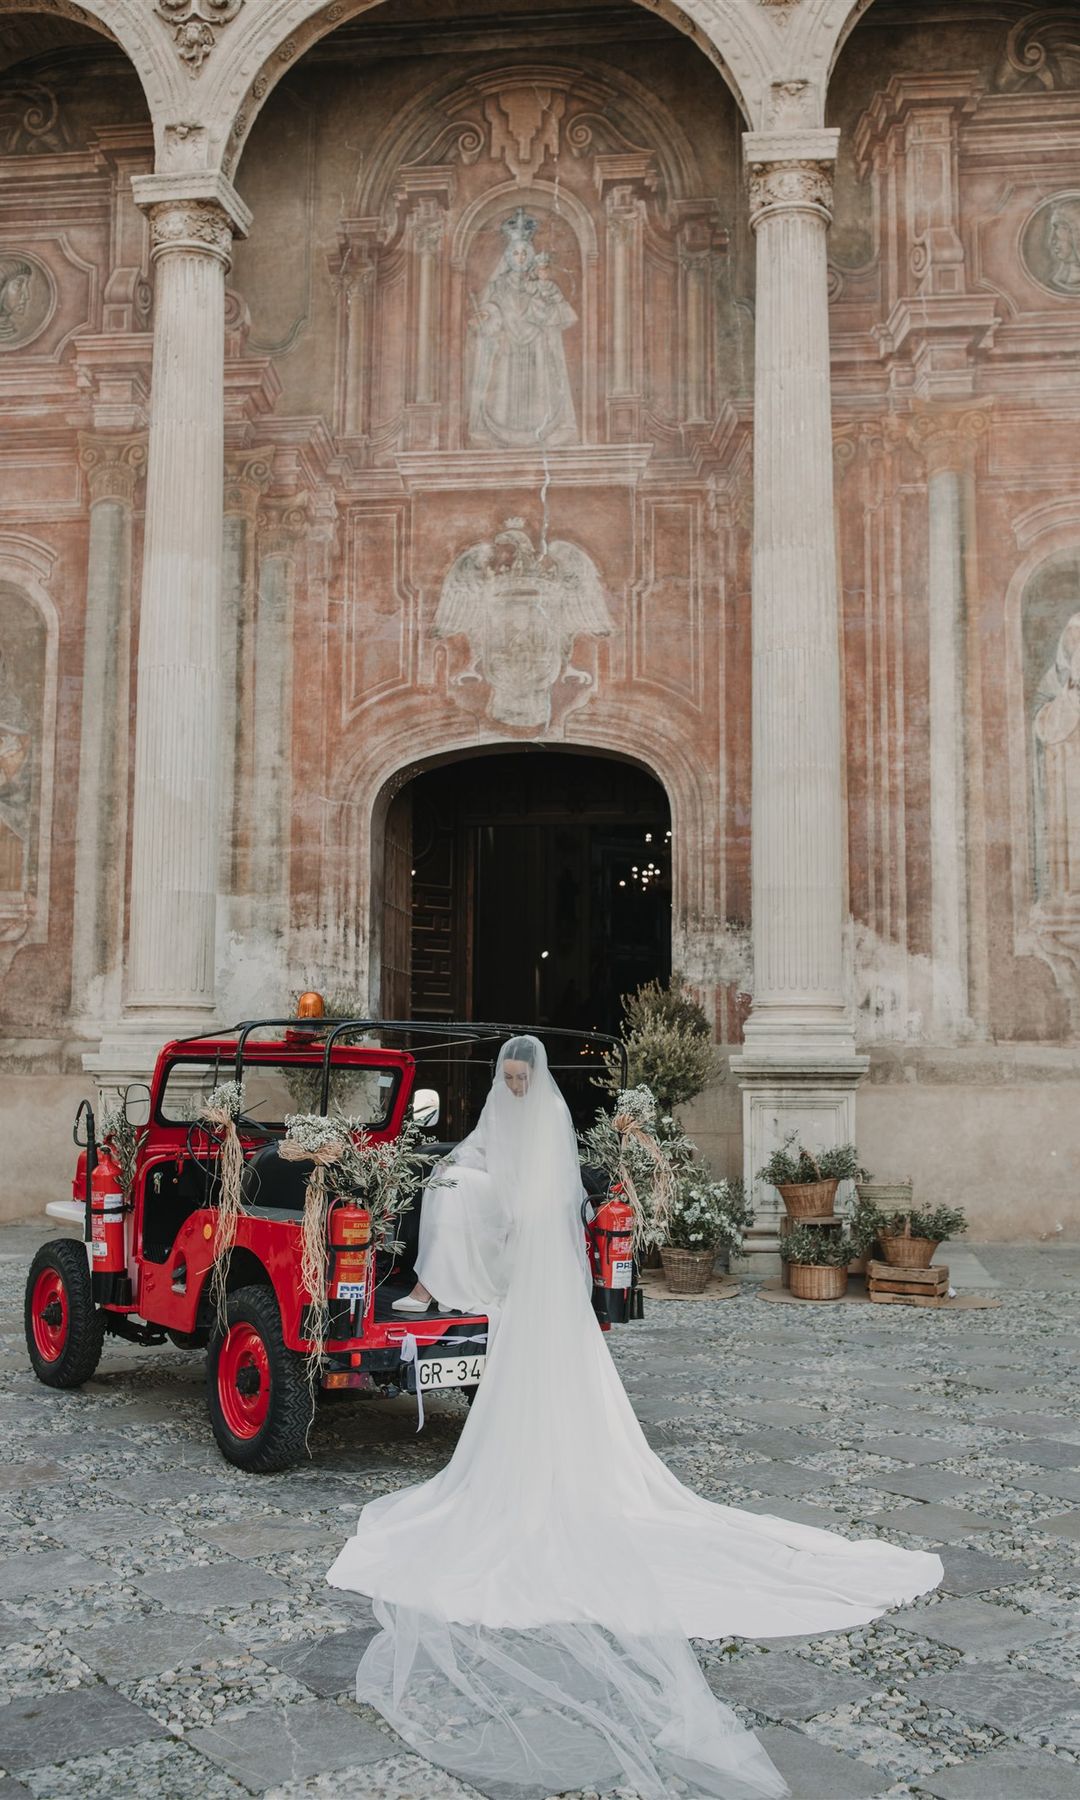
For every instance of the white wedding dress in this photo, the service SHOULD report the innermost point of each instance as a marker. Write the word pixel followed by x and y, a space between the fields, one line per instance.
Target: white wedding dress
pixel 464 1227
pixel 535 1598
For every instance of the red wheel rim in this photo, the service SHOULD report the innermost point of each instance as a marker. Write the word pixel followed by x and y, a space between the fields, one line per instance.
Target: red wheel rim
pixel 50 1335
pixel 243 1378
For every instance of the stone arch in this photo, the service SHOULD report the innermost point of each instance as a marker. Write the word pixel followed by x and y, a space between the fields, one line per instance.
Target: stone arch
pixel 370 779
pixel 265 42
pixel 144 39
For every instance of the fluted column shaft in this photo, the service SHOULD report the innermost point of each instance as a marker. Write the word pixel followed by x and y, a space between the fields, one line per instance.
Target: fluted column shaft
pixel 799 886
pixel 113 466
pixel 170 967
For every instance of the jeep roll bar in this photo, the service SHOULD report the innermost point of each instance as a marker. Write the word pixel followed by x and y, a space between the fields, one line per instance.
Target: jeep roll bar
pixel 469 1031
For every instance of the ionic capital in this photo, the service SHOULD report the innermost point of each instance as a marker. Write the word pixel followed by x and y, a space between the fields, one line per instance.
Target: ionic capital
pixel 790 171
pixel 112 466
pixel 281 524
pixel 946 436
pixel 247 476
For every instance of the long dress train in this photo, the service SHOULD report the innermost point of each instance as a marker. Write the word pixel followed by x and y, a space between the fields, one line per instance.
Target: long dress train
pixel 536 1596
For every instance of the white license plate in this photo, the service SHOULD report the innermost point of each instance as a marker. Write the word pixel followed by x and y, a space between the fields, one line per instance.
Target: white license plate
pixel 449 1371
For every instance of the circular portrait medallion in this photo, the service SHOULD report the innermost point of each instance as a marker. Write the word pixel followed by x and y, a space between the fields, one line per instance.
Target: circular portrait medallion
pixel 1050 245
pixel 27 298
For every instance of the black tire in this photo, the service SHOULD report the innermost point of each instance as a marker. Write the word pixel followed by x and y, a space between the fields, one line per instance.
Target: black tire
pixel 74 1351
pixel 280 1435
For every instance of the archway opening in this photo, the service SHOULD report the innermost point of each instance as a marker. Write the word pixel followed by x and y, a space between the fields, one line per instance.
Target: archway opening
pixel 532 886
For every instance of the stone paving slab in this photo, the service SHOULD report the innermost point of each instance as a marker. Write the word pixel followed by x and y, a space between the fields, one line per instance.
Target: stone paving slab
pixel 1048 1453
pixel 327 1665
pixel 814 1772
pixel 973 1572
pixel 1035 1425
pixel 86 1718
pixel 945 1522
pixel 10 1789
pixel 910 1450
pixel 221 1584
pixel 1011 1699
pixel 289 1743
pixel 50 1570
pixel 1005 1775
pixel 930 1484
pixel 1057 1486
pixel 250 1541
pixel 977 1628
pixel 149 1645
pixel 785 1686
pixel 1065 1525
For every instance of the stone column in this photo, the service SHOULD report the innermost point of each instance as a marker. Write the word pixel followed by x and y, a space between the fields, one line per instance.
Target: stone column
pixel 170 968
pixel 246 476
pixel 799 1069
pixel 113 466
pixel 946 436
pixel 281 523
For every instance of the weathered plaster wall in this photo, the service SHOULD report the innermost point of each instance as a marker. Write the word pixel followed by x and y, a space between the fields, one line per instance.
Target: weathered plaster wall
pixel 382 431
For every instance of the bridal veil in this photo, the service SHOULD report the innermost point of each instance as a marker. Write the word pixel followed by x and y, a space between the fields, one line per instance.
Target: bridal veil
pixel 536 1597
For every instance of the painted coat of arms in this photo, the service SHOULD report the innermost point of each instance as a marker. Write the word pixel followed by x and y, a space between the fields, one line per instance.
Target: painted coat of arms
pixel 521 608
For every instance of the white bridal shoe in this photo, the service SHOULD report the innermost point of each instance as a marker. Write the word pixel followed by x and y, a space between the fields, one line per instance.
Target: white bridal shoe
pixel 409 1305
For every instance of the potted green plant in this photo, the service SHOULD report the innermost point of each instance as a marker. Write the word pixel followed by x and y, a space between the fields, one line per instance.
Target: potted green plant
pixel 705 1216
pixel 668 1043
pixel 817 1262
pixel 807 1180
pixel 864 1223
pixel 910 1239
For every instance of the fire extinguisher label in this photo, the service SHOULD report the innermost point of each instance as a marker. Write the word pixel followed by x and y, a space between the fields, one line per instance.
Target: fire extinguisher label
pixel 101 1248
pixel 351 1290
pixel 622 1272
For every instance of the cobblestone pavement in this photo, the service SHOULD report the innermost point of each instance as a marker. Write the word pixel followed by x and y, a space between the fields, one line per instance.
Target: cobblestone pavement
pixel 166 1632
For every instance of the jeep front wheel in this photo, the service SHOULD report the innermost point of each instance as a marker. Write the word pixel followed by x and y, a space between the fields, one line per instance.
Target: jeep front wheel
pixel 260 1403
pixel 64 1329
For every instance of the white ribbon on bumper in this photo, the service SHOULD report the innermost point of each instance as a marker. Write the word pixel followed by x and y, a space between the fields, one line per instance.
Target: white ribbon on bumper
pixel 409 1354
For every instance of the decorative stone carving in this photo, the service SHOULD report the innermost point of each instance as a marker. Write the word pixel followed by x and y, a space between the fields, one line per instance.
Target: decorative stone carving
pixel 524 121
pixel 945 436
pixel 1042 51
pixel 112 465
pixel 192 23
pixel 27 298
pixel 191 225
pixel 30 121
pixel 247 475
pixel 803 185
pixel 521 609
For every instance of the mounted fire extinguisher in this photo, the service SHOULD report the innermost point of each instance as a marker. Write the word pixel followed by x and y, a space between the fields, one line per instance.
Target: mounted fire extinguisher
pixel 105 1229
pixel 610 1234
pixel 350 1256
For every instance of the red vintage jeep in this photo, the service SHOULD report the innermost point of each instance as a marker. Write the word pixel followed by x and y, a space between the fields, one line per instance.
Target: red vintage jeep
pixel 144 1270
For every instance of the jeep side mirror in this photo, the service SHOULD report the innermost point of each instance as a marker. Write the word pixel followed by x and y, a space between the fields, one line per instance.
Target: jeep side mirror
pixel 426 1107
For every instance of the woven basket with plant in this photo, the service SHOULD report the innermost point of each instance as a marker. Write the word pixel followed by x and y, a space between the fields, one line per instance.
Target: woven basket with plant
pixel 910 1240
pixel 807 1181
pixel 817 1262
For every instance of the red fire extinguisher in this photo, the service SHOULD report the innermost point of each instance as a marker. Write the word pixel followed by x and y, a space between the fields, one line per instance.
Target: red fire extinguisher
pixel 610 1235
pixel 108 1251
pixel 350 1255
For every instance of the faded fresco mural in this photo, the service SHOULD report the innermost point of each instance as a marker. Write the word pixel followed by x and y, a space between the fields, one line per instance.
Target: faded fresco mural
pixel 489 404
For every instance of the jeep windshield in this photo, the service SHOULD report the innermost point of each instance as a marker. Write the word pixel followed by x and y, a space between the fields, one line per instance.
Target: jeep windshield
pixel 275 1087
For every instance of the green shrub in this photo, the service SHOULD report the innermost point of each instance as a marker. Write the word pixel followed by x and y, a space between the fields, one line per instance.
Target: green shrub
pixel 936 1223
pixel 793 1162
pixel 817 1249
pixel 668 1045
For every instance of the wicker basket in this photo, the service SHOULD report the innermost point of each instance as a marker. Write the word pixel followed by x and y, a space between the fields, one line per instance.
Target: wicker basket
pixel 809 1199
pixel 687 1271
pixel 887 1196
pixel 813 1281
pixel 907 1252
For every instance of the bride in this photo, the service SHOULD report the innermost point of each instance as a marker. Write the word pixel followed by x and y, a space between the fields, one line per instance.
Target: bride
pixel 535 1598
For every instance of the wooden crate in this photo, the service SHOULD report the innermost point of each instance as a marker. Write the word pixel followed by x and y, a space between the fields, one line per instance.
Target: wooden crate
pixel 893 1286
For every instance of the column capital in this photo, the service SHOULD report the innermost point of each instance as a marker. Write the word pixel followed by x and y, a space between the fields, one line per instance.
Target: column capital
pixel 790 171
pixel 112 466
pixel 247 476
pixel 199 213
pixel 946 436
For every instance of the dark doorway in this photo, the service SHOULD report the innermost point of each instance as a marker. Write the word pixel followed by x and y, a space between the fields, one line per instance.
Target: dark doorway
pixel 541 892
